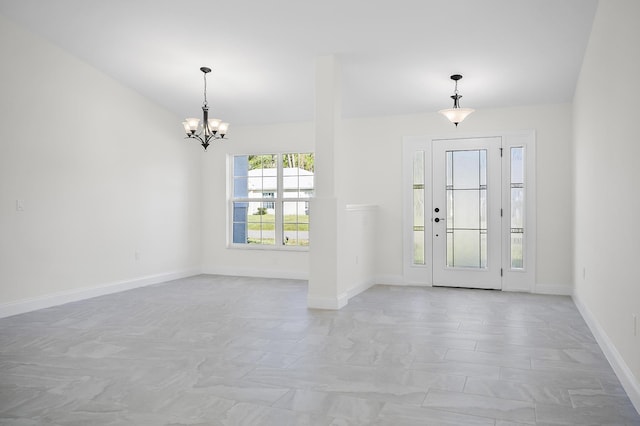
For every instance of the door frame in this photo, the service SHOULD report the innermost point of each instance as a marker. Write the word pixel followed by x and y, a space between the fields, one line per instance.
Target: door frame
pixel 512 279
pixel 487 277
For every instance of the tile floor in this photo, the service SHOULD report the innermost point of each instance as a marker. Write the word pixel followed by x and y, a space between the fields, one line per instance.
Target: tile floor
pixel 214 350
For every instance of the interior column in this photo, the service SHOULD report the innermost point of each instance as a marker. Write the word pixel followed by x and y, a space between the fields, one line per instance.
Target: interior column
pixel 324 247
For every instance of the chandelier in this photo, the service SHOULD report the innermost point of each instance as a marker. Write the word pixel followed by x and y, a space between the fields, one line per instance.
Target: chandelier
pixel 456 114
pixel 210 128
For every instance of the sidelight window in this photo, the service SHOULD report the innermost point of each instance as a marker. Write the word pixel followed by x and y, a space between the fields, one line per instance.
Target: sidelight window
pixel 418 208
pixel 517 207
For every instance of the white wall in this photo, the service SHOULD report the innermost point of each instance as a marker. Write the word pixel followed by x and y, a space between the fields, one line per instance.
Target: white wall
pixel 113 176
pixel 357 260
pixel 607 175
pixel 372 149
pixel 102 174
pixel 368 166
pixel 217 258
pixel 101 171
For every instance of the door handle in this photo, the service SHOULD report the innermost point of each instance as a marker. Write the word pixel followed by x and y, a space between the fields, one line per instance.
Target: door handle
pixel 437 219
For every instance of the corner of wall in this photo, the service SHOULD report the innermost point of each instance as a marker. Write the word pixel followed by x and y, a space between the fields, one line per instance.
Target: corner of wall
pixel 75 295
pixel 630 383
pixel 555 289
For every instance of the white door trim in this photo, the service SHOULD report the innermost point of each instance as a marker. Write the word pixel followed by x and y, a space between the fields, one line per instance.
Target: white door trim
pixel 488 276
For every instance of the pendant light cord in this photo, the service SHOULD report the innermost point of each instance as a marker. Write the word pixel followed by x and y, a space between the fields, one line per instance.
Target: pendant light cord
pixel 205 88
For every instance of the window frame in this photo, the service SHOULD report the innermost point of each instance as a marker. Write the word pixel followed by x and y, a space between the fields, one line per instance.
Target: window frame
pixel 277 200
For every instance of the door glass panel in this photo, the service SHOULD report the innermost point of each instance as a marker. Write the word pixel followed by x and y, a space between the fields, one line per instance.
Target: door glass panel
pixel 483 248
pixel 517 207
pixel 466 193
pixel 483 208
pixel 449 168
pixel 467 209
pixel 483 168
pixel 517 261
pixel 466 248
pixel 517 165
pixel 418 208
pixel 465 169
pixel 418 247
pixel 517 203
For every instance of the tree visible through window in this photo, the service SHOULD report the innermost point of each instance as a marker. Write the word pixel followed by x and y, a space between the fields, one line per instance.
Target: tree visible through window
pixel 270 204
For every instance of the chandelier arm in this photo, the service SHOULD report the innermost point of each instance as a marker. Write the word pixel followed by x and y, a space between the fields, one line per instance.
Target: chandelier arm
pixel 206 139
pixel 204 143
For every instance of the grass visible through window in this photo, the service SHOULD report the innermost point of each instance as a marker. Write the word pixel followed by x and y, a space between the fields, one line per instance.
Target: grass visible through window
pixel 266 222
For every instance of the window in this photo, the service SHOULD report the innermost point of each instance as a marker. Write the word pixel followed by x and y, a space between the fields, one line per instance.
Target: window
pixel 517 207
pixel 418 208
pixel 270 201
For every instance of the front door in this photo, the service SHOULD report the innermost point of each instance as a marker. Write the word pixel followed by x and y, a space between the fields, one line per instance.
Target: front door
pixel 466 212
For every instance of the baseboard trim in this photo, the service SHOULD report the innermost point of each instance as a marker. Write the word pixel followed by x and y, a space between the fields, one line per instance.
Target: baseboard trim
pixel 75 295
pixel 392 280
pixel 256 273
pixel 330 303
pixel 630 384
pixel 356 290
pixel 516 288
pixel 315 302
pixel 557 289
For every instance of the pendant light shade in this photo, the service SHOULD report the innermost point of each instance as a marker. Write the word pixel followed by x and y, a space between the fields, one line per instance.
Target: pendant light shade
pixel 456 114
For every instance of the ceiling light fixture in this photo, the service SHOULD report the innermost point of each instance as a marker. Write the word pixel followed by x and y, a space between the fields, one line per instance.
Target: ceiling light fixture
pixel 210 128
pixel 456 114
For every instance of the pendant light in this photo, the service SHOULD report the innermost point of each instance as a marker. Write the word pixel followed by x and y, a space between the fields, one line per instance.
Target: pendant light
pixel 456 114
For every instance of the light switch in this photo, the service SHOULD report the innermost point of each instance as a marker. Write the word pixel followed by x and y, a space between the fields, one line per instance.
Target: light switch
pixel 19 205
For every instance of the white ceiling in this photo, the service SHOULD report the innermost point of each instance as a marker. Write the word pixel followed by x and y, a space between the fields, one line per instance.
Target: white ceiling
pixel 396 56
